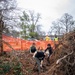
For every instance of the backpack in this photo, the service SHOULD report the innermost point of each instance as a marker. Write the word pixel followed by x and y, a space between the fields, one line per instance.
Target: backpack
pixel 33 49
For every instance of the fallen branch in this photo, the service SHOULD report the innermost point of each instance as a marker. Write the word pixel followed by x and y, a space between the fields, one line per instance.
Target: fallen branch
pixel 7 44
pixel 13 51
pixel 59 60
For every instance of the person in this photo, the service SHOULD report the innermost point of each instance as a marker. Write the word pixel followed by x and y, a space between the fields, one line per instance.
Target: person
pixel 47 38
pixel 56 38
pixel 56 41
pixel 39 58
pixel 33 48
pixel 48 51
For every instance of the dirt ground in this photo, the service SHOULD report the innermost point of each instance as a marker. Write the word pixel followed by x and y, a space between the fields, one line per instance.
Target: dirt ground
pixel 65 67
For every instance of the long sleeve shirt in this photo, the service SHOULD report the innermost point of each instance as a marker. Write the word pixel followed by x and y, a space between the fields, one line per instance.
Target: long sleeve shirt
pixel 49 49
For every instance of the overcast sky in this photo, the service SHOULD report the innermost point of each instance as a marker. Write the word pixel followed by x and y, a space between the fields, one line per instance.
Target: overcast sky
pixel 50 10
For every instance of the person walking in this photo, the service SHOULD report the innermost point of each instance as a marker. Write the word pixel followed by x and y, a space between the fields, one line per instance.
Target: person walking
pixel 48 51
pixel 33 48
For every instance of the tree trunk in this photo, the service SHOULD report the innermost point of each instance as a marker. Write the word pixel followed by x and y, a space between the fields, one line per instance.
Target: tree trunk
pixel 1 31
pixel 1 44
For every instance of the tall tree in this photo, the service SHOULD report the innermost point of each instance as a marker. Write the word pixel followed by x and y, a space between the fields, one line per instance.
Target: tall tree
pixel 57 28
pixel 34 20
pixel 24 24
pixel 63 25
pixel 67 22
pixel 5 7
pixel 29 23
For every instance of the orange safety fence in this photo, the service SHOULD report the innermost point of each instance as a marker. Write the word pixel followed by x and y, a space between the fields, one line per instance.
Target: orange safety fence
pixel 20 44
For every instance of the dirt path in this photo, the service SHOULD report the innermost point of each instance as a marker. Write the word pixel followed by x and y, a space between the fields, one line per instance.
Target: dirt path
pixel 28 64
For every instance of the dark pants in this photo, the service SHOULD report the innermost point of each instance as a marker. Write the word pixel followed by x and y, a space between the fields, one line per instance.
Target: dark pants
pixel 48 60
pixel 38 62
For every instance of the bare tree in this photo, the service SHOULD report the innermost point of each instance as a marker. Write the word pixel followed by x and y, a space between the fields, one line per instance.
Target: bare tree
pixel 34 19
pixel 67 22
pixel 30 23
pixel 63 25
pixel 5 7
pixel 57 28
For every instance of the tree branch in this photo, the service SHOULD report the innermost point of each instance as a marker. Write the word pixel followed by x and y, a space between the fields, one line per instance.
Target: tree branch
pixel 59 60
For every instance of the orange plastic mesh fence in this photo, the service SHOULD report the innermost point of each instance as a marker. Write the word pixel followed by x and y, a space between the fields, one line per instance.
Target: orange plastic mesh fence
pixel 20 44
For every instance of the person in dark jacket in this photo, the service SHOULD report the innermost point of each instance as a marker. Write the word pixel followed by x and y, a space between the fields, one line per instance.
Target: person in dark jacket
pixel 39 57
pixel 48 52
pixel 33 48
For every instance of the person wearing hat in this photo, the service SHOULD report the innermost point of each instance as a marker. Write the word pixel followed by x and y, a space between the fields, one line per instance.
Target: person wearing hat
pixel 47 38
pixel 48 52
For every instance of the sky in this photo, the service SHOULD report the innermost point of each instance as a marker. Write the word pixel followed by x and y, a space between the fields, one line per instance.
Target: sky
pixel 50 10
